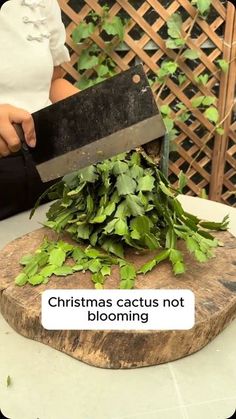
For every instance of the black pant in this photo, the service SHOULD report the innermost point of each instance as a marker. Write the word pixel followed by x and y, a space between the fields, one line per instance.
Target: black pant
pixel 20 184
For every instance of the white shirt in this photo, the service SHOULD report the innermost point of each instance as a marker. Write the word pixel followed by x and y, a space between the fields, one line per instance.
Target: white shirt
pixel 32 38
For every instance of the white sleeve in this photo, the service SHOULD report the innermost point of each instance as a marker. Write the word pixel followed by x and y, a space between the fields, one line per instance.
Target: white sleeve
pixel 60 53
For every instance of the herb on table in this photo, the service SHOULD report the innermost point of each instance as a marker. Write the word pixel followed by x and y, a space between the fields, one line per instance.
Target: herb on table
pixel 52 258
pixel 122 202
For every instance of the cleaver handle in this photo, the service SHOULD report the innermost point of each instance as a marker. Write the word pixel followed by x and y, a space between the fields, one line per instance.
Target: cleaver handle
pixel 20 132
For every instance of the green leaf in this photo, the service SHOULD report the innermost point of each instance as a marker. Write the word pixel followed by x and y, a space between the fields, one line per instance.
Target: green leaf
pixel 135 159
pixel 122 210
pixel 92 253
pixel 197 101
pixel 31 269
pixel 98 278
pixel 211 225
pixel 83 231
pixel 179 268
pixel 135 235
pixel 203 79
pixel 146 183
pixel 170 238
pixel 106 270
pixel 127 272
pixel 21 279
pixel 96 81
pixel 220 130
pixel 175 43
pixel 165 189
pixel 203 5
pixel 87 61
pixel 78 254
pixel 84 83
pixel 136 171
pixel 183 181
pixel 174 24
pixel 164 254
pixel 141 224
pixel 120 167
pixel 90 204
pixel 95 265
pixel 118 157
pixel 83 31
pixel 66 247
pixel 110 208
pixel 171 136
pixel 192 245
pixel 64 270
pixel 75 181
pixel 98 285
pixel 212 114
pixel 114 27
pixel 134 205
pixel 121 227
pixel 169 67
pixel 48 271
pixel 181 106
pixel 99 219
pixel 77 267
pixel 208 100
pixel 176 259
pixel 88 174
pixel 94 238
pixel 42 259
pixel 223 64
pixel 165 110
pixel 181 79
pixel 125 185
pixel 178 207
pixel 113 247
pixel 110 227
pixel 191 54
pixel 200 256
pixel 26 259
pixel 147 267
pixel 57 257
pixel 169 124
pixel 127 284
pixel 151 241
pixel 102 70
pixel 184 116
pixel 175 256
pixel 36 279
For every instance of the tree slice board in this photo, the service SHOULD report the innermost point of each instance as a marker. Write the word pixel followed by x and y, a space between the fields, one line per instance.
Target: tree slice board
pixel 214 285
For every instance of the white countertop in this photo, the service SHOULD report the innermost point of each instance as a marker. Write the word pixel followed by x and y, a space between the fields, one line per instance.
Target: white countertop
pixel 47 384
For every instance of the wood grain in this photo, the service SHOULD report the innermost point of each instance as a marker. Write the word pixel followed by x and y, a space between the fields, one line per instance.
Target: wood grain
pixel 214 285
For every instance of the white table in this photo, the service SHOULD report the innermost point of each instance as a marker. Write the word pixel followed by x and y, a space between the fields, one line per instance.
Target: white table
pixel 47 384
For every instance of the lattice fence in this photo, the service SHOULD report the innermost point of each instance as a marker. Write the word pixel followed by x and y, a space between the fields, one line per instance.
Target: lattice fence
pixel 208 159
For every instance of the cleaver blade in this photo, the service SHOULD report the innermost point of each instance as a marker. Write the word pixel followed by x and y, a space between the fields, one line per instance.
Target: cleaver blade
pixel 100 122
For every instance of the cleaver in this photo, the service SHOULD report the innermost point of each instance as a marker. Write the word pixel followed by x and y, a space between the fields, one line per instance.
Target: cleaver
pixel 114 116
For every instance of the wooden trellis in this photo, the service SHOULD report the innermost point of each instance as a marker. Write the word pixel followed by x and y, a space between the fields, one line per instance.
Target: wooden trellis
pixel 208 159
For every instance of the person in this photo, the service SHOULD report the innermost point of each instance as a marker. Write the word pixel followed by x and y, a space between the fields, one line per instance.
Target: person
pixel 32 49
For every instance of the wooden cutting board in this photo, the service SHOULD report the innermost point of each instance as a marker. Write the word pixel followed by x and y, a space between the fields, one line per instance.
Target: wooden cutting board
pixel 214 285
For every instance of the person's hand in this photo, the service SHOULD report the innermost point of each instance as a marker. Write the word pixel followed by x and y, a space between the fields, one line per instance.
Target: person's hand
pixel 9 140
